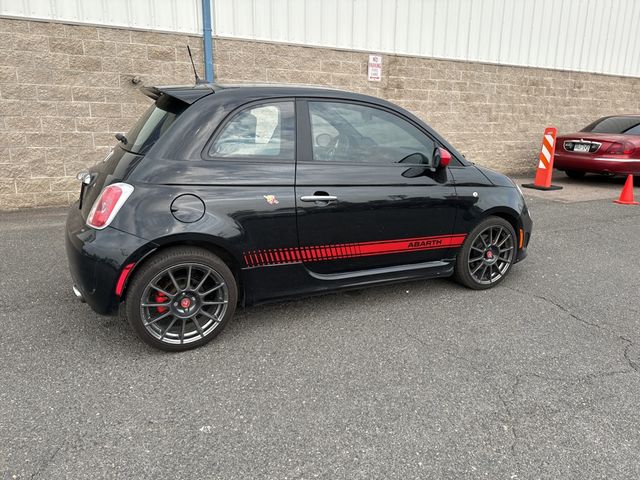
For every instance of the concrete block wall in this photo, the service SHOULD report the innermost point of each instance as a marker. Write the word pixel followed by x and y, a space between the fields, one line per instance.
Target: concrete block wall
pixel 66 89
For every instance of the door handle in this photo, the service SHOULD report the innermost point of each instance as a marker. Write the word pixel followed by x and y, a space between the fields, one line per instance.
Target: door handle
pixel 318 198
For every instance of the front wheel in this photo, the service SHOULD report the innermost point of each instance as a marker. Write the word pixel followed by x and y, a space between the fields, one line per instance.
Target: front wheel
pixel 181 299
pixel 487 254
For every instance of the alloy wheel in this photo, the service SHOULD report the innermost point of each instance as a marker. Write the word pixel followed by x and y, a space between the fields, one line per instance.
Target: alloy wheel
pixel 491 255
pixel 184 303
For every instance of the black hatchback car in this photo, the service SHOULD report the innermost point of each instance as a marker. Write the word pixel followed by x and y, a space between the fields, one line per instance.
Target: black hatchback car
pixel 222 195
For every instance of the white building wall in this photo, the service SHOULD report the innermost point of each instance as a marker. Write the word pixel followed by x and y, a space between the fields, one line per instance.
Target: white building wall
pixel 584 35
pixel 165 15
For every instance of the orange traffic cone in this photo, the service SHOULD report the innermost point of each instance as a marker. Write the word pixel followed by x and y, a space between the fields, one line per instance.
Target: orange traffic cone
pixel 626 196
pixel 545 162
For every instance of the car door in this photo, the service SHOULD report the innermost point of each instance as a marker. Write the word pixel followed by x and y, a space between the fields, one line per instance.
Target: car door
pixel 249 178
pixel 367 196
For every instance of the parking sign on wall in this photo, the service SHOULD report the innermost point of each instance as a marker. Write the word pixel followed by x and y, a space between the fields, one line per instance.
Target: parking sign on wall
pixel 375 68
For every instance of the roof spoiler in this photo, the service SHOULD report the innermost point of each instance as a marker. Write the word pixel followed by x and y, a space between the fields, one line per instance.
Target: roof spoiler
pixel 185 94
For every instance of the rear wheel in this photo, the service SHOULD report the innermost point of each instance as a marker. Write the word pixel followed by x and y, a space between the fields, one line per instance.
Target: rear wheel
pixel 575 173
pixel 181 299
pixel 487 254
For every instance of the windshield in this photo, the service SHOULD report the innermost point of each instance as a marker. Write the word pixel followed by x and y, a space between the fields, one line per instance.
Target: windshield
pixel 617 125
pixel 155 121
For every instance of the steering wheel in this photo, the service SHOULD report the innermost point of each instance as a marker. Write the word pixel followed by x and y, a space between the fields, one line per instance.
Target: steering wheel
pixel 340 142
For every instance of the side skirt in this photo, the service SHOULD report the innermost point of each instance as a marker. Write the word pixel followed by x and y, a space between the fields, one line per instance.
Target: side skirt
pixel 399 269
pixel 279 282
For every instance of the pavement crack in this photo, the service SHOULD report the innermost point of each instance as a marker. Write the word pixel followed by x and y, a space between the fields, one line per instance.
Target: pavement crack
pixel 557 305
pixel 635 366
pixel 47 461
pixel 628 359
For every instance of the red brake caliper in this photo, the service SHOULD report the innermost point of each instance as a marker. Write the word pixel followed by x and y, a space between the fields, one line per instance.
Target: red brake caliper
pixel 161 298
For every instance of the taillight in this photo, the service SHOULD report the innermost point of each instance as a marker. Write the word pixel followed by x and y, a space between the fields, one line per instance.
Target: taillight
pixel 624 148
pixel 108 204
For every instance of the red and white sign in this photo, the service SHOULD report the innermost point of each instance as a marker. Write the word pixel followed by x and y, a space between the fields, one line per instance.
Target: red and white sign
pixel 375 68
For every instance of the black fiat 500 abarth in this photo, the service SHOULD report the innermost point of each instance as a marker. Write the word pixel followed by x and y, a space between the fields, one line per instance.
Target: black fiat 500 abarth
pixel 244 194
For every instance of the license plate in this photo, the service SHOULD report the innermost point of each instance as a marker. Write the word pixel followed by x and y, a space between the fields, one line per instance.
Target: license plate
pixel 581 147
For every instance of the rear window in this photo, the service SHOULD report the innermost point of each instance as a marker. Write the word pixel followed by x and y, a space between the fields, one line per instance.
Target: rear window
pixel 617 125
pixel 152 125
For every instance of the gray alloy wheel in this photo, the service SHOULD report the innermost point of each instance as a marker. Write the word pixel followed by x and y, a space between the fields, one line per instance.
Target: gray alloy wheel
pixel 487 254
pixel 492 255
pixel 181 299
pixel 184 303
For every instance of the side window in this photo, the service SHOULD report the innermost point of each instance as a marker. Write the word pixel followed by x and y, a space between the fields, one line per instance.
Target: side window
pixel 260 131
pixel 345 132
pixel 635 130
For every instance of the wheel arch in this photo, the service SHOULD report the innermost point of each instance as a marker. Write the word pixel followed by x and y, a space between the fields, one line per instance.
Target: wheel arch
pixel 206 242
pixel 505 213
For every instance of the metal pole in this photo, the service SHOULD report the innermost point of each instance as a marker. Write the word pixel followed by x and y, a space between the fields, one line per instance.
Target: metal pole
pixel 207 34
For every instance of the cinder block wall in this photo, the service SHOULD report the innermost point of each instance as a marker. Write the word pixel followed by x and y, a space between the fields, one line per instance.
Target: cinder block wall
pixel 66 89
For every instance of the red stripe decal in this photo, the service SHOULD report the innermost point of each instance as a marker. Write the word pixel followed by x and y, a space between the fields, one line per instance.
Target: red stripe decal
pixel 362 249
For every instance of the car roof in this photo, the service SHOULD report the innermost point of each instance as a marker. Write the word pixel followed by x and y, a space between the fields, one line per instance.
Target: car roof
pixel 266 91
pixel 191 93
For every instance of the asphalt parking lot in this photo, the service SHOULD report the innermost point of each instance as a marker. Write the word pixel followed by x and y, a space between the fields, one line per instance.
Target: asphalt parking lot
pixel 538 378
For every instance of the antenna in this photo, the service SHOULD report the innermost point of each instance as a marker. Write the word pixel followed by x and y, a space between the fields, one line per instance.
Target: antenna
pixel 195 72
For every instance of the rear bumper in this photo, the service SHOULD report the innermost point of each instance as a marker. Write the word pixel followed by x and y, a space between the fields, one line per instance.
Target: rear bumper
pixel 617 166
pixel 96 258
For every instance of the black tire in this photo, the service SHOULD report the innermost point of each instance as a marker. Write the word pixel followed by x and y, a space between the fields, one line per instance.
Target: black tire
pixel 465 264
pixel 201 267
pixel 575 174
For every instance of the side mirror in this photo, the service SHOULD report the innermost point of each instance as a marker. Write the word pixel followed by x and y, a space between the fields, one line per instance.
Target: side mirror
pixel 445 157
pixel 441 158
